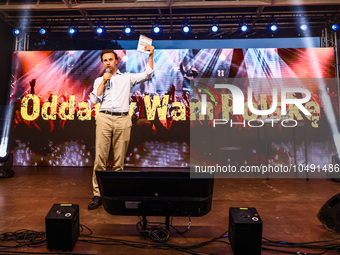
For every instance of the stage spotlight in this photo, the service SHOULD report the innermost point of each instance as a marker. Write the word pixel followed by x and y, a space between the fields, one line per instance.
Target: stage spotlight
pixel 304 27
pixel 156 29
pixel 42 31
pixel 72 31
pixel 128 30
pixel 273 27
pixel 335 27
pixel 16 31
pixel 6 164
pixel 186 29
pixel 244 28
pixel 3 153
pixel 214 28
pixel 99 30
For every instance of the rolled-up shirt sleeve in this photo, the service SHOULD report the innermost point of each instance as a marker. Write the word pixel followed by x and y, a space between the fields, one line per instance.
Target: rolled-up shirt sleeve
pixel 93 96
pixel 136 78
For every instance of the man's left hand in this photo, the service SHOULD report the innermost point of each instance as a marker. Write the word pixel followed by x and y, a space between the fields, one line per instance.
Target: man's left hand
pixel 149 48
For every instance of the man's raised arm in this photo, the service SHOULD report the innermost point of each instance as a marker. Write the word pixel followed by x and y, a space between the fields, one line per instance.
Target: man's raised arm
pixel 150 48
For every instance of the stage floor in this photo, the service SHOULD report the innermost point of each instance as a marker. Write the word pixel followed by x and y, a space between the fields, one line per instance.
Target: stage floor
pixel 288 209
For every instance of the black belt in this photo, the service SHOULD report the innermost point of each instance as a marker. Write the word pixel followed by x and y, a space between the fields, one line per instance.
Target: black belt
pixel 116 113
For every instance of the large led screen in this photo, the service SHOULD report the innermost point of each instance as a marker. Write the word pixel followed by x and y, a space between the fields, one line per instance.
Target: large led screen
pixel 54 121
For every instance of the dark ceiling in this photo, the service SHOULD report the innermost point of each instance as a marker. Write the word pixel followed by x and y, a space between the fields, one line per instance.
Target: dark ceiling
pixel 58 15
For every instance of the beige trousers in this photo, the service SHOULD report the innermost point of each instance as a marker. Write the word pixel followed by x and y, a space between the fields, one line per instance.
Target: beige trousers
pixel 110 131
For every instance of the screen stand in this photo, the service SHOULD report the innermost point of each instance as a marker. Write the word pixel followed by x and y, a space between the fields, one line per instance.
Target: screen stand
pixel 167 222
pixel 145 210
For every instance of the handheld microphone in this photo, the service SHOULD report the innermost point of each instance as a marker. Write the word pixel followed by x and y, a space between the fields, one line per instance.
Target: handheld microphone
pixel 107 83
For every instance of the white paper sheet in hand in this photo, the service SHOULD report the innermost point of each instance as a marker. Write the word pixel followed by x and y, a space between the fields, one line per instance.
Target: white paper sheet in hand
pixel 143 41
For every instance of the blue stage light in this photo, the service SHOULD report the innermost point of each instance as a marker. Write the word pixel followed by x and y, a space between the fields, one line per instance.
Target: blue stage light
pixel 214 28
pixel 42 31
pixel 186 29
pixel 304 27
pixel 156 29
pixel 16 31
pixel 273 28
pixel 335 27
pixel 127 30
pixel 71 30
pixel 99 30
pixel 244 28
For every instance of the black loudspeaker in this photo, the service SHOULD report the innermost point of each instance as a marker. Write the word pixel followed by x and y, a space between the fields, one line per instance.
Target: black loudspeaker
pixel 329 214
pixel 62 226
pixel 245 231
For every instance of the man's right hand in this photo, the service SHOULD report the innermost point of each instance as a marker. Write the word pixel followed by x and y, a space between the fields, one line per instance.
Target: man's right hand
pixel 101 87
pixel 107 76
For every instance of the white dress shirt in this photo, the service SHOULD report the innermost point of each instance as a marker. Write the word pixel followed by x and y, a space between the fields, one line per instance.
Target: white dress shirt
pixel 116 98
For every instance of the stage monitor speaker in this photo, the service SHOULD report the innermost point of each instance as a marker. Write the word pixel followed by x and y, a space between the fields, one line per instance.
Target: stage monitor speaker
pixel 329 214
pixel 245 231
pixel 62 226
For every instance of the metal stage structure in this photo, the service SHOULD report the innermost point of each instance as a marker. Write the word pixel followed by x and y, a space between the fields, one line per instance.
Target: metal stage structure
pixel 329 39
pixel 56 16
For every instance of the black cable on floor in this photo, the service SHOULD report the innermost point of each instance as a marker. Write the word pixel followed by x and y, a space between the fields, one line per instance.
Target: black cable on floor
pixel 47 253
pixel 302 245
pixel 160 245
pixel 30 238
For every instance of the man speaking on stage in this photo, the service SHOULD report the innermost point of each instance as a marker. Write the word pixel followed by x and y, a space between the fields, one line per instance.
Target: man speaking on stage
pixel 113 124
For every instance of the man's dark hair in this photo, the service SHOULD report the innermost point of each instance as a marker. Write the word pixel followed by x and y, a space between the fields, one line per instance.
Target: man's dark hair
pixel 108 51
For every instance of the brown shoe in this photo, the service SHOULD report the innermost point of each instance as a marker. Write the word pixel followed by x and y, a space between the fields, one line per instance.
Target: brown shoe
pixel 95 203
